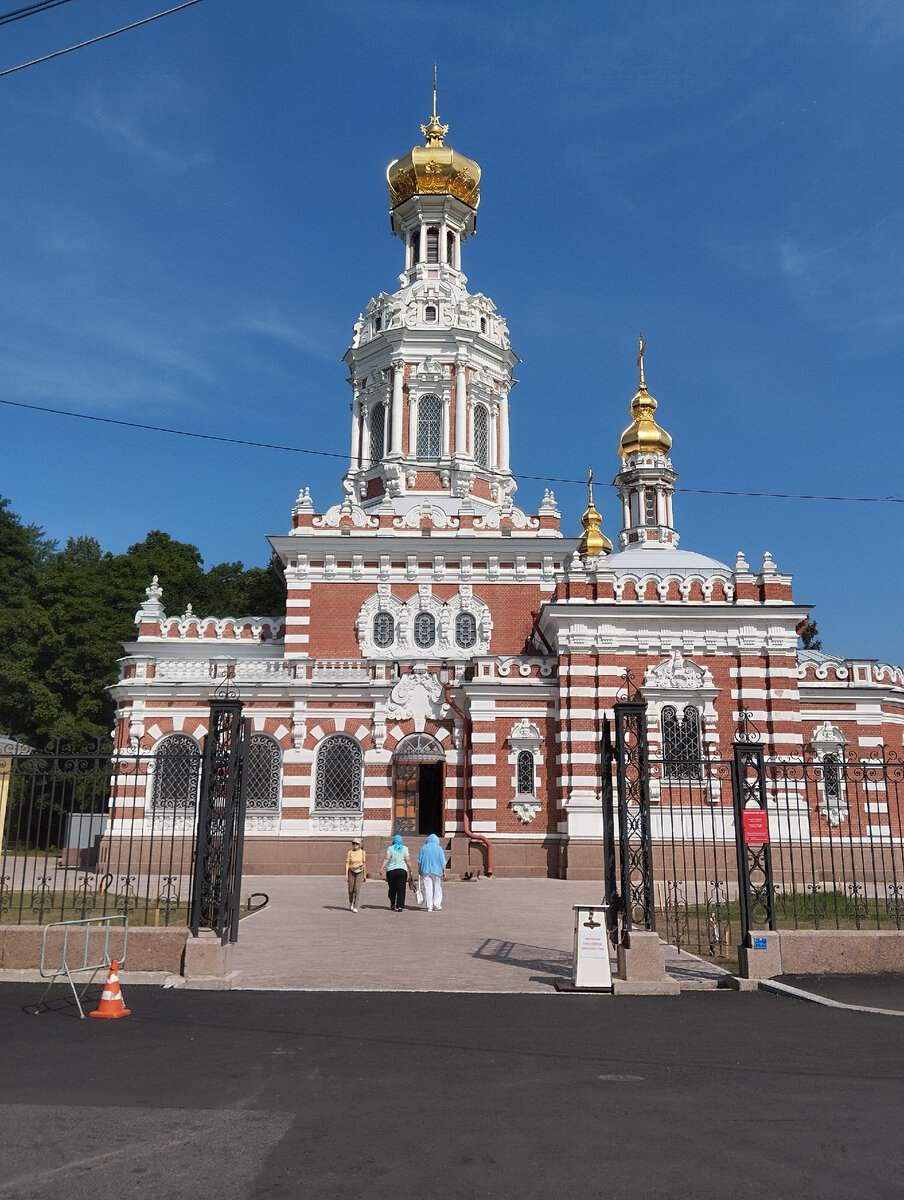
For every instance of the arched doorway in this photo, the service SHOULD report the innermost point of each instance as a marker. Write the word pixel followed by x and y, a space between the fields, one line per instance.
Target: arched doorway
pixel 419 786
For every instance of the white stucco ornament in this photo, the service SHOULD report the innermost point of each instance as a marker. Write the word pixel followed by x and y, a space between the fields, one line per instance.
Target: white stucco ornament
pixel 417 696
pixel 677 672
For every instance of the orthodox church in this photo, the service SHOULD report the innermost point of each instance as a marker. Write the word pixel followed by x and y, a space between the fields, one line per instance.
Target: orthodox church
pixel 446 657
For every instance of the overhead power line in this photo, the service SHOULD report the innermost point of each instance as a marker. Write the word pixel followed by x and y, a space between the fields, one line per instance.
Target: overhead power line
pixel 102 37
pixel 230 441
pixel 30 10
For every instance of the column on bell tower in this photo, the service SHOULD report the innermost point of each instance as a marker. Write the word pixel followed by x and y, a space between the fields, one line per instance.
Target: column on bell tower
pixel 646 481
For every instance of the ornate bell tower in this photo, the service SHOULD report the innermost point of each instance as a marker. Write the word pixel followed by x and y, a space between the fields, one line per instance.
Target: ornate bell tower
pixel 430 364
pixel 646 481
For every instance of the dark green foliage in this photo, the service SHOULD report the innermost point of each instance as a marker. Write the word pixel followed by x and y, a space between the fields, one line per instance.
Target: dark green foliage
pixel 64 614
pixel 809 637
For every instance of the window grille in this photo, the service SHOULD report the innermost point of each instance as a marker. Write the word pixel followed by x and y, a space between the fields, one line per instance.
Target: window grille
pixel 383 629
pixel 465 630
pixel 432 244
pixel 377 433
pixel 483 324
pixel 338 781
pixel 378 324
pixel 481 436
pixel 525 773
pixel 424 630
pixel 178 771
pixel 263 768
pixel 681 751
pixel 831 780
pixel 450 249
pixel 430 314
pixel 429 427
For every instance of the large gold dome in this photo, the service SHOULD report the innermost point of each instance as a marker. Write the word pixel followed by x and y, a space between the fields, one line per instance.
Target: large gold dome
pixel 434 170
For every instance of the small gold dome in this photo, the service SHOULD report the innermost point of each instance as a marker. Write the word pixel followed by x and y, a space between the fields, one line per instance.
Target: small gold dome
pixel 643 435
pixel 593 543
pixel 434 170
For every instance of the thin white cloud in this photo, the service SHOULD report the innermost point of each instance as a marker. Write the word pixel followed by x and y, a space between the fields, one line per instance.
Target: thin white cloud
pixel 321 345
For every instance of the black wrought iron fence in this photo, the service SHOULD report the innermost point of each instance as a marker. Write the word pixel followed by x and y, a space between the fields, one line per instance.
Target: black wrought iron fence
pixel 89 833
pixel 835 833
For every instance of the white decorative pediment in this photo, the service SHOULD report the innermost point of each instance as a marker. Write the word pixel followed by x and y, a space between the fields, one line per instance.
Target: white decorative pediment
pixel 827 739
pixel 359 518
pixel 678 674
pixel 518 517
pixel 525 736
pixel 417 696
pixel 426 513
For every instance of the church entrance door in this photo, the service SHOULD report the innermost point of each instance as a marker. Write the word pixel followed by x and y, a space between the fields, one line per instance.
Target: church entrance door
pixel 418 786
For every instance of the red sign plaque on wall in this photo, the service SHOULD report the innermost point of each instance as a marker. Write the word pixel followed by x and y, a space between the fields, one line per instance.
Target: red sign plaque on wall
pixel 756 826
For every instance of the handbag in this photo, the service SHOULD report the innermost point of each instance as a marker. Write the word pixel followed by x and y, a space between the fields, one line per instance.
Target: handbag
pixel 418 892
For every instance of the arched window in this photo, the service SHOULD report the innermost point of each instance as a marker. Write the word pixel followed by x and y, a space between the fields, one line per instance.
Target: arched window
pixel 424 630
pixel 465 630
pixel 483 324
pixel 432 244
pixel 378 324
pixel 377 433
pixel 177 772
pixel 450 249
pixel 415 247
pixel 681 749
pixel 525 774
pixel 481 436
pixel 384 629
pixel 430 314
pixel 264 774
pixel 429 427
pixel 337 783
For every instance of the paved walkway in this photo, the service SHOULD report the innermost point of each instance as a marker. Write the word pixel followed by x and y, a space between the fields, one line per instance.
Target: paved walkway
pixel 492 935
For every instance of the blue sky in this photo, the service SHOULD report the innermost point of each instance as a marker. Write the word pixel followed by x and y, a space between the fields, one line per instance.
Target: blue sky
pixel 195 212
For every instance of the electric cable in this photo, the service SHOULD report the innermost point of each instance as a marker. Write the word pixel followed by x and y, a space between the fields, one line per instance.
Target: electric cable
pixel 231 441
pixel 30 10
pixel 102 37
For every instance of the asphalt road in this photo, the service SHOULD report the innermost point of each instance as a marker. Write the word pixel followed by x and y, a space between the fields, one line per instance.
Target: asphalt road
pixel 264 1094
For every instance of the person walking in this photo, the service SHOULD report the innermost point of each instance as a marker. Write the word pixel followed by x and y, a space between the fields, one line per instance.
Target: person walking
pixel 397 866
pixel 431 865
pixel 355 872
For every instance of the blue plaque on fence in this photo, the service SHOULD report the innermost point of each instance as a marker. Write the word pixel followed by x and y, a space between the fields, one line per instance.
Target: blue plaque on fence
pixel 759 943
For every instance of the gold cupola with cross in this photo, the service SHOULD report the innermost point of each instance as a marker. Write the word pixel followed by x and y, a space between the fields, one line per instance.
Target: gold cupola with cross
pixel 646 481
pixel 593 543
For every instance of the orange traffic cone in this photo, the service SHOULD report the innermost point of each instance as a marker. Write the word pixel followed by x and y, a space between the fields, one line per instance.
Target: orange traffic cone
pixel 111 1002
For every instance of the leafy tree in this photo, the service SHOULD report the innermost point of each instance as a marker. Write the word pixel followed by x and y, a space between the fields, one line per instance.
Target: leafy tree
pixel 64 614
pixel 809 637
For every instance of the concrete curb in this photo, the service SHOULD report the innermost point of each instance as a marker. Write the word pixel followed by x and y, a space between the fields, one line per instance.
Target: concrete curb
pixel 785 989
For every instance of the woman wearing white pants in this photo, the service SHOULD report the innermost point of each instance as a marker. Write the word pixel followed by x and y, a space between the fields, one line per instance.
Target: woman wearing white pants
pixel 431 865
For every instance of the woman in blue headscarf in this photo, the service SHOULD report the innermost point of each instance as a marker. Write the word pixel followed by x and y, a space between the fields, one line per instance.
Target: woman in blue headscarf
pixel 431 865
pixel 397 866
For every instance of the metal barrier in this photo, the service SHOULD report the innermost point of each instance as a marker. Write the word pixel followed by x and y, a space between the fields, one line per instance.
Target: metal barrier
pixel 70 966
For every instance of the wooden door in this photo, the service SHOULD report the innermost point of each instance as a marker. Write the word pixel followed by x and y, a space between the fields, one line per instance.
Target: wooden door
pixel 404 796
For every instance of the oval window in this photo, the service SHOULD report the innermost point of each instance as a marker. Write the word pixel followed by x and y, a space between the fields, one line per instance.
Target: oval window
pixel 424 630
pixel 384 630
pixel 465 630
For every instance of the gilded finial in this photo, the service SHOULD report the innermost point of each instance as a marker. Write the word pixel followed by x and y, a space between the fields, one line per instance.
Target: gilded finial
pixel 593 543
pixel 643 436
pixel 434 131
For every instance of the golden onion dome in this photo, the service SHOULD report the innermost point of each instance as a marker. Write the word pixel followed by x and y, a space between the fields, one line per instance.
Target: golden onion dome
pixel 434 169
pixel 643 435
pixel 593 543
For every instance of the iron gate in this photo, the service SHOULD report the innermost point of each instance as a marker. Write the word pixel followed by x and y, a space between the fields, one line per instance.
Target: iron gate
pixel 217 876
